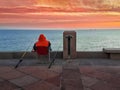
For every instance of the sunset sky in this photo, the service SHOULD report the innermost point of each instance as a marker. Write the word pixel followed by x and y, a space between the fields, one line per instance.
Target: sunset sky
pixel 60 14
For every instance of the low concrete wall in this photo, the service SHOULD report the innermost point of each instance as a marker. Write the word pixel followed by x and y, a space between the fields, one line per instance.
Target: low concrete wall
pixel 88 54
pixel 33 55
pixel 28 55
pixel 16 55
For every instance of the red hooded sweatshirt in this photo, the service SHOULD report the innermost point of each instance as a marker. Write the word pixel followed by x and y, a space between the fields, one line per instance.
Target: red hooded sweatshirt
pixel 42 41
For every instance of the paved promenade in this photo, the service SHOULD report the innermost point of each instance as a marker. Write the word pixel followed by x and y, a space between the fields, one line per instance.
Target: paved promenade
pixel 84 74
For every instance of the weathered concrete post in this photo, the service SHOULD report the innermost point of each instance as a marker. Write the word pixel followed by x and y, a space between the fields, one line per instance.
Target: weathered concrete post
pixel 69 44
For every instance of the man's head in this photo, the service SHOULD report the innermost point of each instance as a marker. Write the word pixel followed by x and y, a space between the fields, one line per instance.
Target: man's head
pixel 42 37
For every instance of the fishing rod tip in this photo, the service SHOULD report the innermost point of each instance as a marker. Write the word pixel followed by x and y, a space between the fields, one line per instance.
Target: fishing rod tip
pixel 48 67
pixel 16 67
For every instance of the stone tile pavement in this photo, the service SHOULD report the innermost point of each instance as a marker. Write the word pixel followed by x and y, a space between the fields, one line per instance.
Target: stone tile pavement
pixel 66 77
pixel 30 78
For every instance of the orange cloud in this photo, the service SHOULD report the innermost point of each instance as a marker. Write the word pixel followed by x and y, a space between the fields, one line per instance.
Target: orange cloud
pixel 16 3
pixel 61 5
pixel 47 20
pixel 60 13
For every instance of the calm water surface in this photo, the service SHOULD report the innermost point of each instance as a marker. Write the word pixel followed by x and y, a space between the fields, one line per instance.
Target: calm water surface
pixel 87 40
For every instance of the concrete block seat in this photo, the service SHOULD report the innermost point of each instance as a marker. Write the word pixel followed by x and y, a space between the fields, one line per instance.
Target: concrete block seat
pixel 113 53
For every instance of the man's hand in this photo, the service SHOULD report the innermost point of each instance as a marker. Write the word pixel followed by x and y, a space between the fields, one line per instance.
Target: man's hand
pixel 33 50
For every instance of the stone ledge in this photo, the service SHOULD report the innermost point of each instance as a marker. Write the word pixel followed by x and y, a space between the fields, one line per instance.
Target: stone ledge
pixel 113 53
pixel 28 55
pixel 33 55
pixel 111 50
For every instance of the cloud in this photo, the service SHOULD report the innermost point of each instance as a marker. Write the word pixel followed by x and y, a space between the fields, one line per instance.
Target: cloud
pixel 39 6
pixel 66 4
pixel 14 3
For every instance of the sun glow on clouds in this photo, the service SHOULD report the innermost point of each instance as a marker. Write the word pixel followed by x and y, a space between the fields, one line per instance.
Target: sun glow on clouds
pixel 54 3
pixel 17 3
pixel 60 13
pixel 65 20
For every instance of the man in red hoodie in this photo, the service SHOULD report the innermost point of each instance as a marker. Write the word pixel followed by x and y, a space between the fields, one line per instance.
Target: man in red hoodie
pixel 42 41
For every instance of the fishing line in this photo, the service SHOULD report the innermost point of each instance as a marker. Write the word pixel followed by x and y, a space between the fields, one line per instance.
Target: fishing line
pixel 21 59
pixel 54 56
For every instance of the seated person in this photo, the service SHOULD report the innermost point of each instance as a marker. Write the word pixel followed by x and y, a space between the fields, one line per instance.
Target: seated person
pixel 42 41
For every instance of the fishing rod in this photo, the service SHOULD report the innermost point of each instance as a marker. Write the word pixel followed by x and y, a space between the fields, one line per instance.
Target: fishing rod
pixel 54 57
pixel 21 59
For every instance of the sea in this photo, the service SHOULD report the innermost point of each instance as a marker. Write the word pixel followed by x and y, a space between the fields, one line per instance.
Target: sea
pixel 15 40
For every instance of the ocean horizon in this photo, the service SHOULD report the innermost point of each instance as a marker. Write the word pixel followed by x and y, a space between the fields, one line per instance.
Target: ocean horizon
pixel 87 40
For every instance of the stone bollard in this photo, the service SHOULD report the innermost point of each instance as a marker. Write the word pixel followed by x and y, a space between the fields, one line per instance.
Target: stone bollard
pixel 69 45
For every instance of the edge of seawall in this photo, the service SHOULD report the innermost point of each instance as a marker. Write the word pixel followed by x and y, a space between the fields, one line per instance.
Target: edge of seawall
pixel 33 55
